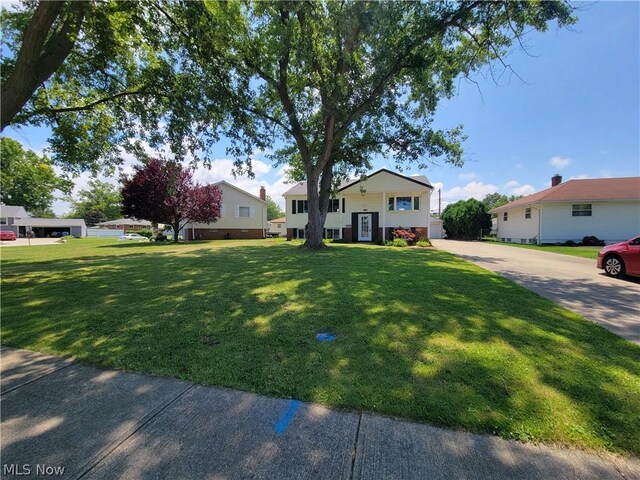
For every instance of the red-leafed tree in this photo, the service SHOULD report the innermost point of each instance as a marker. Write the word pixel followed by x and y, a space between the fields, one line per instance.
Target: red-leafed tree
pixel 164 192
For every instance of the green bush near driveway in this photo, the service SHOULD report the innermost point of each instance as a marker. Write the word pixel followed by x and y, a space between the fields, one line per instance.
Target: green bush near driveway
pixel 421 334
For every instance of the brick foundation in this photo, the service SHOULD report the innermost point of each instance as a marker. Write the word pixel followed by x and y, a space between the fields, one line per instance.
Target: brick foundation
pixel 224 233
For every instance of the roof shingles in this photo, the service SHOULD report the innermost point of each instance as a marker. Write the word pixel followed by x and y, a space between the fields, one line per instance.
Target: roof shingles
pixel 588 190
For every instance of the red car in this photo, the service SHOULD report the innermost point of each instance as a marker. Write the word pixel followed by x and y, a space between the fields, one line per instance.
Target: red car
pixel 7 235
pixel 621 259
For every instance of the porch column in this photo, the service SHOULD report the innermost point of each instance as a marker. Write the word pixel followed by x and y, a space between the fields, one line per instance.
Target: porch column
pixel 384 215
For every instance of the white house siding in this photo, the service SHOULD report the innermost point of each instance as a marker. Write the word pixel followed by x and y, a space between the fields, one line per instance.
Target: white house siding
pixel 230 224
pixel 517 228
pixel 609 221
pixel 370 202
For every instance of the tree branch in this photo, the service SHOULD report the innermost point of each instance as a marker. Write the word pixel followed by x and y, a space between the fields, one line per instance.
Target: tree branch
pixel 95 103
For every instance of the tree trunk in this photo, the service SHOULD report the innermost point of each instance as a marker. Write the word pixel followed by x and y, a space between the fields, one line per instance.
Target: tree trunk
pixel 37 61
pixel 313 233
pixel 176 230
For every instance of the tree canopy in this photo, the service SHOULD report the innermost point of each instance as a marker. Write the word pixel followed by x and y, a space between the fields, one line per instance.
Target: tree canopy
pixel 100 202
pixel 340 83
pixel 337 83
pixel 273 209
pixel 164 192
pixel 99 75
pixel 495 200
pixel 28 179
pixel 467 219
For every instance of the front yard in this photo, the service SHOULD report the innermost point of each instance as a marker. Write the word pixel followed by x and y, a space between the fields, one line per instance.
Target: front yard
pixel 421 334
pixel 583 252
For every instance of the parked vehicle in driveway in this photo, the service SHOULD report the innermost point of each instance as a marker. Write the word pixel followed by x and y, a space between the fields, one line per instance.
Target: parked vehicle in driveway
pixel 132 236
pixel 7 235
pixel 621 259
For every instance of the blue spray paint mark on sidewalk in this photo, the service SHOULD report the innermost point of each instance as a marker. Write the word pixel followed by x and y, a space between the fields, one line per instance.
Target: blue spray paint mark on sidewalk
pixel 286 419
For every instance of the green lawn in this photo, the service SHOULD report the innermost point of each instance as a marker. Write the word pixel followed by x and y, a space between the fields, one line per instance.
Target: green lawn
pixel 421 333
pixel 584 252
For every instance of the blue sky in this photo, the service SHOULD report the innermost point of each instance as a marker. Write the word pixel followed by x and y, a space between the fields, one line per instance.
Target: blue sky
pixel 577 113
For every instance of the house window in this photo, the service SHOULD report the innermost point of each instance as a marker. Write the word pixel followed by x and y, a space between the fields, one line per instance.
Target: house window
pixel 332 233
pixel 527 213
pixel 303 206
pixel 505 217
pixel 403 204
pixel 3 221
pixel 244 212
pixel 278 225
pixel 581 210
pixel 334 205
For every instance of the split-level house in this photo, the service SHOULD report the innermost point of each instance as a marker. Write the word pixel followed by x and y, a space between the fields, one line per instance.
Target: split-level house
pixel 242 215
pixel 367 209
pixel 607 208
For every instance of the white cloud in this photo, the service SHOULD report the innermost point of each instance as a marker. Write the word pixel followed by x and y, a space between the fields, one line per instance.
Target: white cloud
pixel 559 162
pixel 467 177
pixel 582 176
pixel 523 190
pixel 512 184
pixel 605 174
pixel 476 190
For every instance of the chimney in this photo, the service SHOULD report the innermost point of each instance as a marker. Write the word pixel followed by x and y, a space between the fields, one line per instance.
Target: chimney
pixel 556 180
pixel 263 194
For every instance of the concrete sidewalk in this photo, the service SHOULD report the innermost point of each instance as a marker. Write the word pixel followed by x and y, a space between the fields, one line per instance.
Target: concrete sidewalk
pixel 99 424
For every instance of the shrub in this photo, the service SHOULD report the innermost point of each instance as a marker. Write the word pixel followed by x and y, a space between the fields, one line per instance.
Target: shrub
pixel 388 243
pixel 161 237
pixel 592 241
pixel 466 219
pixel 399 242
pixel 570 243
pixel 407 235
pixel 423 242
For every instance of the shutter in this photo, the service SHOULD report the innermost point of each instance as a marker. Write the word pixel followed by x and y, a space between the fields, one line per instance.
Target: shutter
pixel 223 210
pixel 236 211
pixel 342 205
pixel 416 203
pixel 293 206
pixel 252 212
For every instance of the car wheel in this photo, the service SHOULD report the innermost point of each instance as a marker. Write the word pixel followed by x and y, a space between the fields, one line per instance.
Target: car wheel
pixel 614 266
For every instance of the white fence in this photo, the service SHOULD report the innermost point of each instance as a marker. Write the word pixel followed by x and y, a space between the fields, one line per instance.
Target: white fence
pixel 104 232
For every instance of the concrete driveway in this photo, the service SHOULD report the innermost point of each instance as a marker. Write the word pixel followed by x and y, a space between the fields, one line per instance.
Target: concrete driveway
pixel 573 282
pixel 23 242
pixel 63 419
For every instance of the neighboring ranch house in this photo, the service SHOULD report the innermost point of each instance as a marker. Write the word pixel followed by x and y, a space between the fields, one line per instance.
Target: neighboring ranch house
pixel 368 209
pixel 608 208
pixel 277 227
pixel 17 219
pixel 125 224
pixel 242 215
pixel 9 214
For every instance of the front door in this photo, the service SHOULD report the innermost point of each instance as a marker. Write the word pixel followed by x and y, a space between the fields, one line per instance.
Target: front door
pixel 364 227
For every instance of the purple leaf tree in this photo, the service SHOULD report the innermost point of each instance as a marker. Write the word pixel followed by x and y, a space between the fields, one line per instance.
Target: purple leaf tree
pixel 164 192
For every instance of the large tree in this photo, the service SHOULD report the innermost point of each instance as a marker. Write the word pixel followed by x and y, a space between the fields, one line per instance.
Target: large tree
pixel 99 202
pixel 28 179
pixel 96 74
pixel 342 82
pixel 164 192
